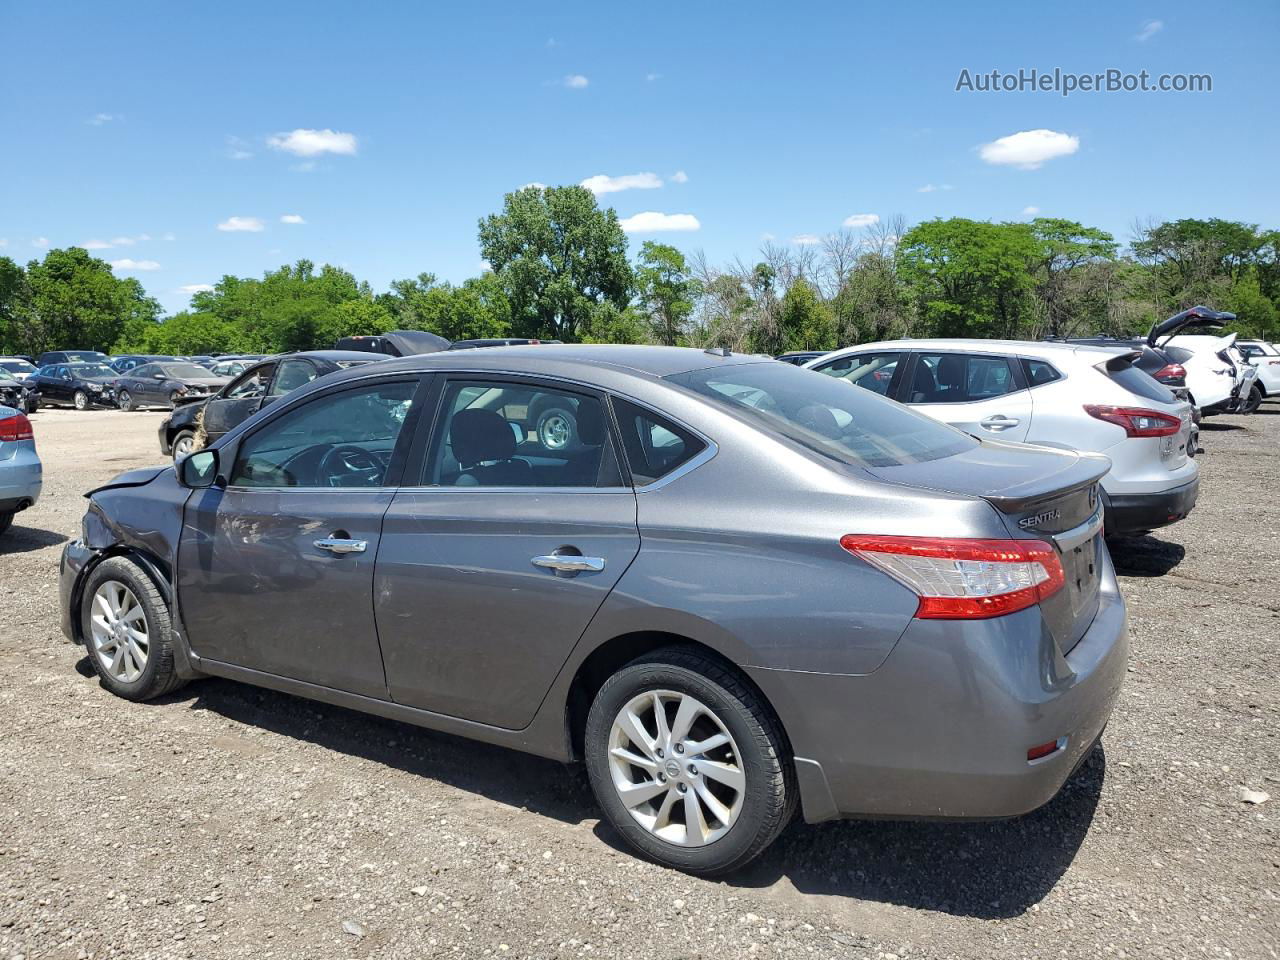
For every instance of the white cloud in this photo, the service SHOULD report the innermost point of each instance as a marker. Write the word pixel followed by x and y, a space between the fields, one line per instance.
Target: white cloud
pixel 169 236
pixel 679 177
pixel 237 148
pixel 98 119
pixel 861 219
pixel 40 242
pixel 1149 30
pixel 532 183
pixel 651 77
pixel 930 188
pixel 576 81
pixel 128 264
pixel 95 245
pixel 240 154
pixel 196 288
pixel 601 183
pixel 767 238
pixel 1029 149
pixel 241 225
pixel 1030 211
pixel 651 222
pixel 311 143
pixel 806 239
pixel 292 218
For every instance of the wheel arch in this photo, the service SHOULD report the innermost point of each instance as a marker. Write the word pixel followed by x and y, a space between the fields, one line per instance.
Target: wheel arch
pixel 155 568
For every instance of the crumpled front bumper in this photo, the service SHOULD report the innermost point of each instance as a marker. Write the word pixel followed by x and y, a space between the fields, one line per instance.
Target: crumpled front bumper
pixel 75 557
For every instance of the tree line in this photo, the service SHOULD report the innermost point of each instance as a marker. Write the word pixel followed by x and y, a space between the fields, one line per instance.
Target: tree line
pixel 560 269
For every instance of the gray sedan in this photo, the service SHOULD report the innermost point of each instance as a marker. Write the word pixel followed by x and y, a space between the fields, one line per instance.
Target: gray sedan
pixel 740 589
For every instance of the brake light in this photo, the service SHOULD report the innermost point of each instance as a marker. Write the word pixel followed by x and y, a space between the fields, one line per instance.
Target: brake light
pixel 963 579
pixel 1172 371
pixel 1136 421
pixel 16 428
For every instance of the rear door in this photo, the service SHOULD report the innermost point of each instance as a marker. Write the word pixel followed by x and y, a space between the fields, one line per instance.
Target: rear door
pixel 497 554
pixel 983 394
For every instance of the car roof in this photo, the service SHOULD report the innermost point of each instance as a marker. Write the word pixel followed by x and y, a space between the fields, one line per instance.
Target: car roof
pixel 553 359
pixel 977 345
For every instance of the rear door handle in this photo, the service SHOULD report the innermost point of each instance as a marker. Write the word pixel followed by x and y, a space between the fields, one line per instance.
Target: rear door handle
pixel 570 563
pixel 999 422
pixel 340 546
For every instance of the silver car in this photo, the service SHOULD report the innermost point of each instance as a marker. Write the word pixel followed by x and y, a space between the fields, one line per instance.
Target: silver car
pixel 21 473
pixel 734 589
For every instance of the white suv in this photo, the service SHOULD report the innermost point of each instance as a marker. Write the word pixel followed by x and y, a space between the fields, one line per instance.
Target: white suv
pixel 1052 394
pixel 1266 360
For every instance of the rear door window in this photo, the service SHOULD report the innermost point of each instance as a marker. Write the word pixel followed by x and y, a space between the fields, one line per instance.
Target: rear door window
pixel 960 378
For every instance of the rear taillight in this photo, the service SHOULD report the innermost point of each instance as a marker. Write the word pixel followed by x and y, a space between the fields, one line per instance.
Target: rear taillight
pixel 16 428
pixel 961 579
pixel 1172 371
pixel 1136 421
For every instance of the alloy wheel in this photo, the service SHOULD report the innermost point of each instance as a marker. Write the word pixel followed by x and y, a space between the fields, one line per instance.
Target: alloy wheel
pixel 81 400
pixel 555 432
pixel 118 623
pixel 183 446
pixel 676 768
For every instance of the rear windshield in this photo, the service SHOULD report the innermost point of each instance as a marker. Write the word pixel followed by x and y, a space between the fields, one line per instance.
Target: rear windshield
pixel 17 366
pixel 1139 382
pixel 827 415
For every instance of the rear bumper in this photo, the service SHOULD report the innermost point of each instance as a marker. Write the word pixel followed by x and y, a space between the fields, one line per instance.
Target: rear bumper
pixel 1135 512
pixel 941 730
pixel 21 479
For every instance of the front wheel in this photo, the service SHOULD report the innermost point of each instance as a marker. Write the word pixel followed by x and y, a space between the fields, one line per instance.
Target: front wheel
pixel 1253 401
pixel 125 401
pixel 687 762
pixel 184 444
pixel 80 400
pixel 127 631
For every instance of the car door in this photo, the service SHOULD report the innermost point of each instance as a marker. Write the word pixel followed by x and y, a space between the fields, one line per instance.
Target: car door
pixel 240 400
pixel 63 384
pixel 275 567
pixel 140 384
pixel 494 559
pixel 982 394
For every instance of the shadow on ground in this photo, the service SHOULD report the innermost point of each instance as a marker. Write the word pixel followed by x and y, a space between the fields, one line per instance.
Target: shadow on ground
pixel 986 870
pixel 19 539
pixel 1218 426
pixel 1144 556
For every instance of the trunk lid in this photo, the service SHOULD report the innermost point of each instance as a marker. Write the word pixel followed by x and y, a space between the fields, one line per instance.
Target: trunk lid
pixel 1192 317
pixel 1040 493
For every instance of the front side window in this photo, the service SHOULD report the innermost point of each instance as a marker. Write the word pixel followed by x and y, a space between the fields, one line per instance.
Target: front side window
pixel 342 439
pixel 960 378
pixel 825 416
pixel 293 374
pixel 252 384
pixel 144 371
pixel 496 434
pixel 871 370
pixel 653 444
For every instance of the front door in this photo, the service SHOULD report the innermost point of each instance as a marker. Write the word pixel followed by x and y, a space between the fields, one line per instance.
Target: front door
pixel 982 394
pixel 238 402
pixel 276 568
pixel 490 570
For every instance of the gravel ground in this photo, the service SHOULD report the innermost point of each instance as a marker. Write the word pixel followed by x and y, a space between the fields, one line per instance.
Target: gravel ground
pixel 226 821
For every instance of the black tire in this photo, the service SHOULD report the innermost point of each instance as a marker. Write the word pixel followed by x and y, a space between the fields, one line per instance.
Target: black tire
pixel 6 519
pixel 80 400
pixel 179 440
pixel 31 406
pixel 158 676
pixel 557 429
pixel 124 400
pixel 1253 401
pixel 764 755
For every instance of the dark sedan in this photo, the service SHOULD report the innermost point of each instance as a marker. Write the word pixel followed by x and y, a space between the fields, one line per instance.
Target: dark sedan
pixel 129 361
pixel 18 394
pixel 80 385
pixel 201 422
pixel 165 385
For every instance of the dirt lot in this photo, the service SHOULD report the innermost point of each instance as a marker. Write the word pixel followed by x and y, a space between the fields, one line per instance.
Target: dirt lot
pixel 233 822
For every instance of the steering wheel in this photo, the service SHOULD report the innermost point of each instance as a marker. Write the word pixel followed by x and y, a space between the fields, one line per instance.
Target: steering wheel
pixel 346 461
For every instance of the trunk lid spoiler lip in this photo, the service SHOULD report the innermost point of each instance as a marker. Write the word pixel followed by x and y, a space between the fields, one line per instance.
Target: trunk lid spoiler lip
pixel 1197 316
pixel 1088 469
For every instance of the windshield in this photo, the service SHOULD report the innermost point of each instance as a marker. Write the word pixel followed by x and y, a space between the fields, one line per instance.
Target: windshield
pixel 92 370
pixel 184 371
pixel 17 366
pixel 826 415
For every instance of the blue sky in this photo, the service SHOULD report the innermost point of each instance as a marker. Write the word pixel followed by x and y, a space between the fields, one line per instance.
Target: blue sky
pixel 391 128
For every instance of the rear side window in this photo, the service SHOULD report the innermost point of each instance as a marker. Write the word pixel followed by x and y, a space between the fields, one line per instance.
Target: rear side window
pixel 825 416
pixel 654 446
pixel 1039 372
pixel 1141 384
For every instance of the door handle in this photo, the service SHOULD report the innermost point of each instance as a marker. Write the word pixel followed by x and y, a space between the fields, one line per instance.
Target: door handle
pixel 339 546
pixel 570 563
pixel 999 422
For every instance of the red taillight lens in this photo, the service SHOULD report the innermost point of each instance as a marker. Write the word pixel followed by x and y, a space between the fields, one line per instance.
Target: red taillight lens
pixel 1136 421
pixel 1172 371
pixel 961 579
pixel 16 428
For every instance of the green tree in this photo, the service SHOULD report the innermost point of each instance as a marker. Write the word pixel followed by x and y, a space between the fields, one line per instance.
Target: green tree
pixel 559 259
pixel 478 309
pixel 1071 295
pixel 805 322
pixel 666 291
pixel 14 295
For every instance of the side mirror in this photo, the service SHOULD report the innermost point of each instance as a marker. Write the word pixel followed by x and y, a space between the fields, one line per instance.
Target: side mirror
pixel 199 469
pixel 157 376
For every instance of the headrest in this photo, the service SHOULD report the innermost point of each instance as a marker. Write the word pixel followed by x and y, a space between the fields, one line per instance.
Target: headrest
pixel 819 419
pixel 478 436
pixel 951 370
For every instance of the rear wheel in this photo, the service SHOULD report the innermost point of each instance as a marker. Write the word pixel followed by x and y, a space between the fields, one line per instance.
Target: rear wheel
pixel 80 400
pixel 184 444
pixel 126 631
pixel 125 401
pixel 1253 401
pixel 688 764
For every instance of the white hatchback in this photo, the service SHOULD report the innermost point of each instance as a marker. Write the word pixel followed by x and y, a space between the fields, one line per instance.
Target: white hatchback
pixel 1052 394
